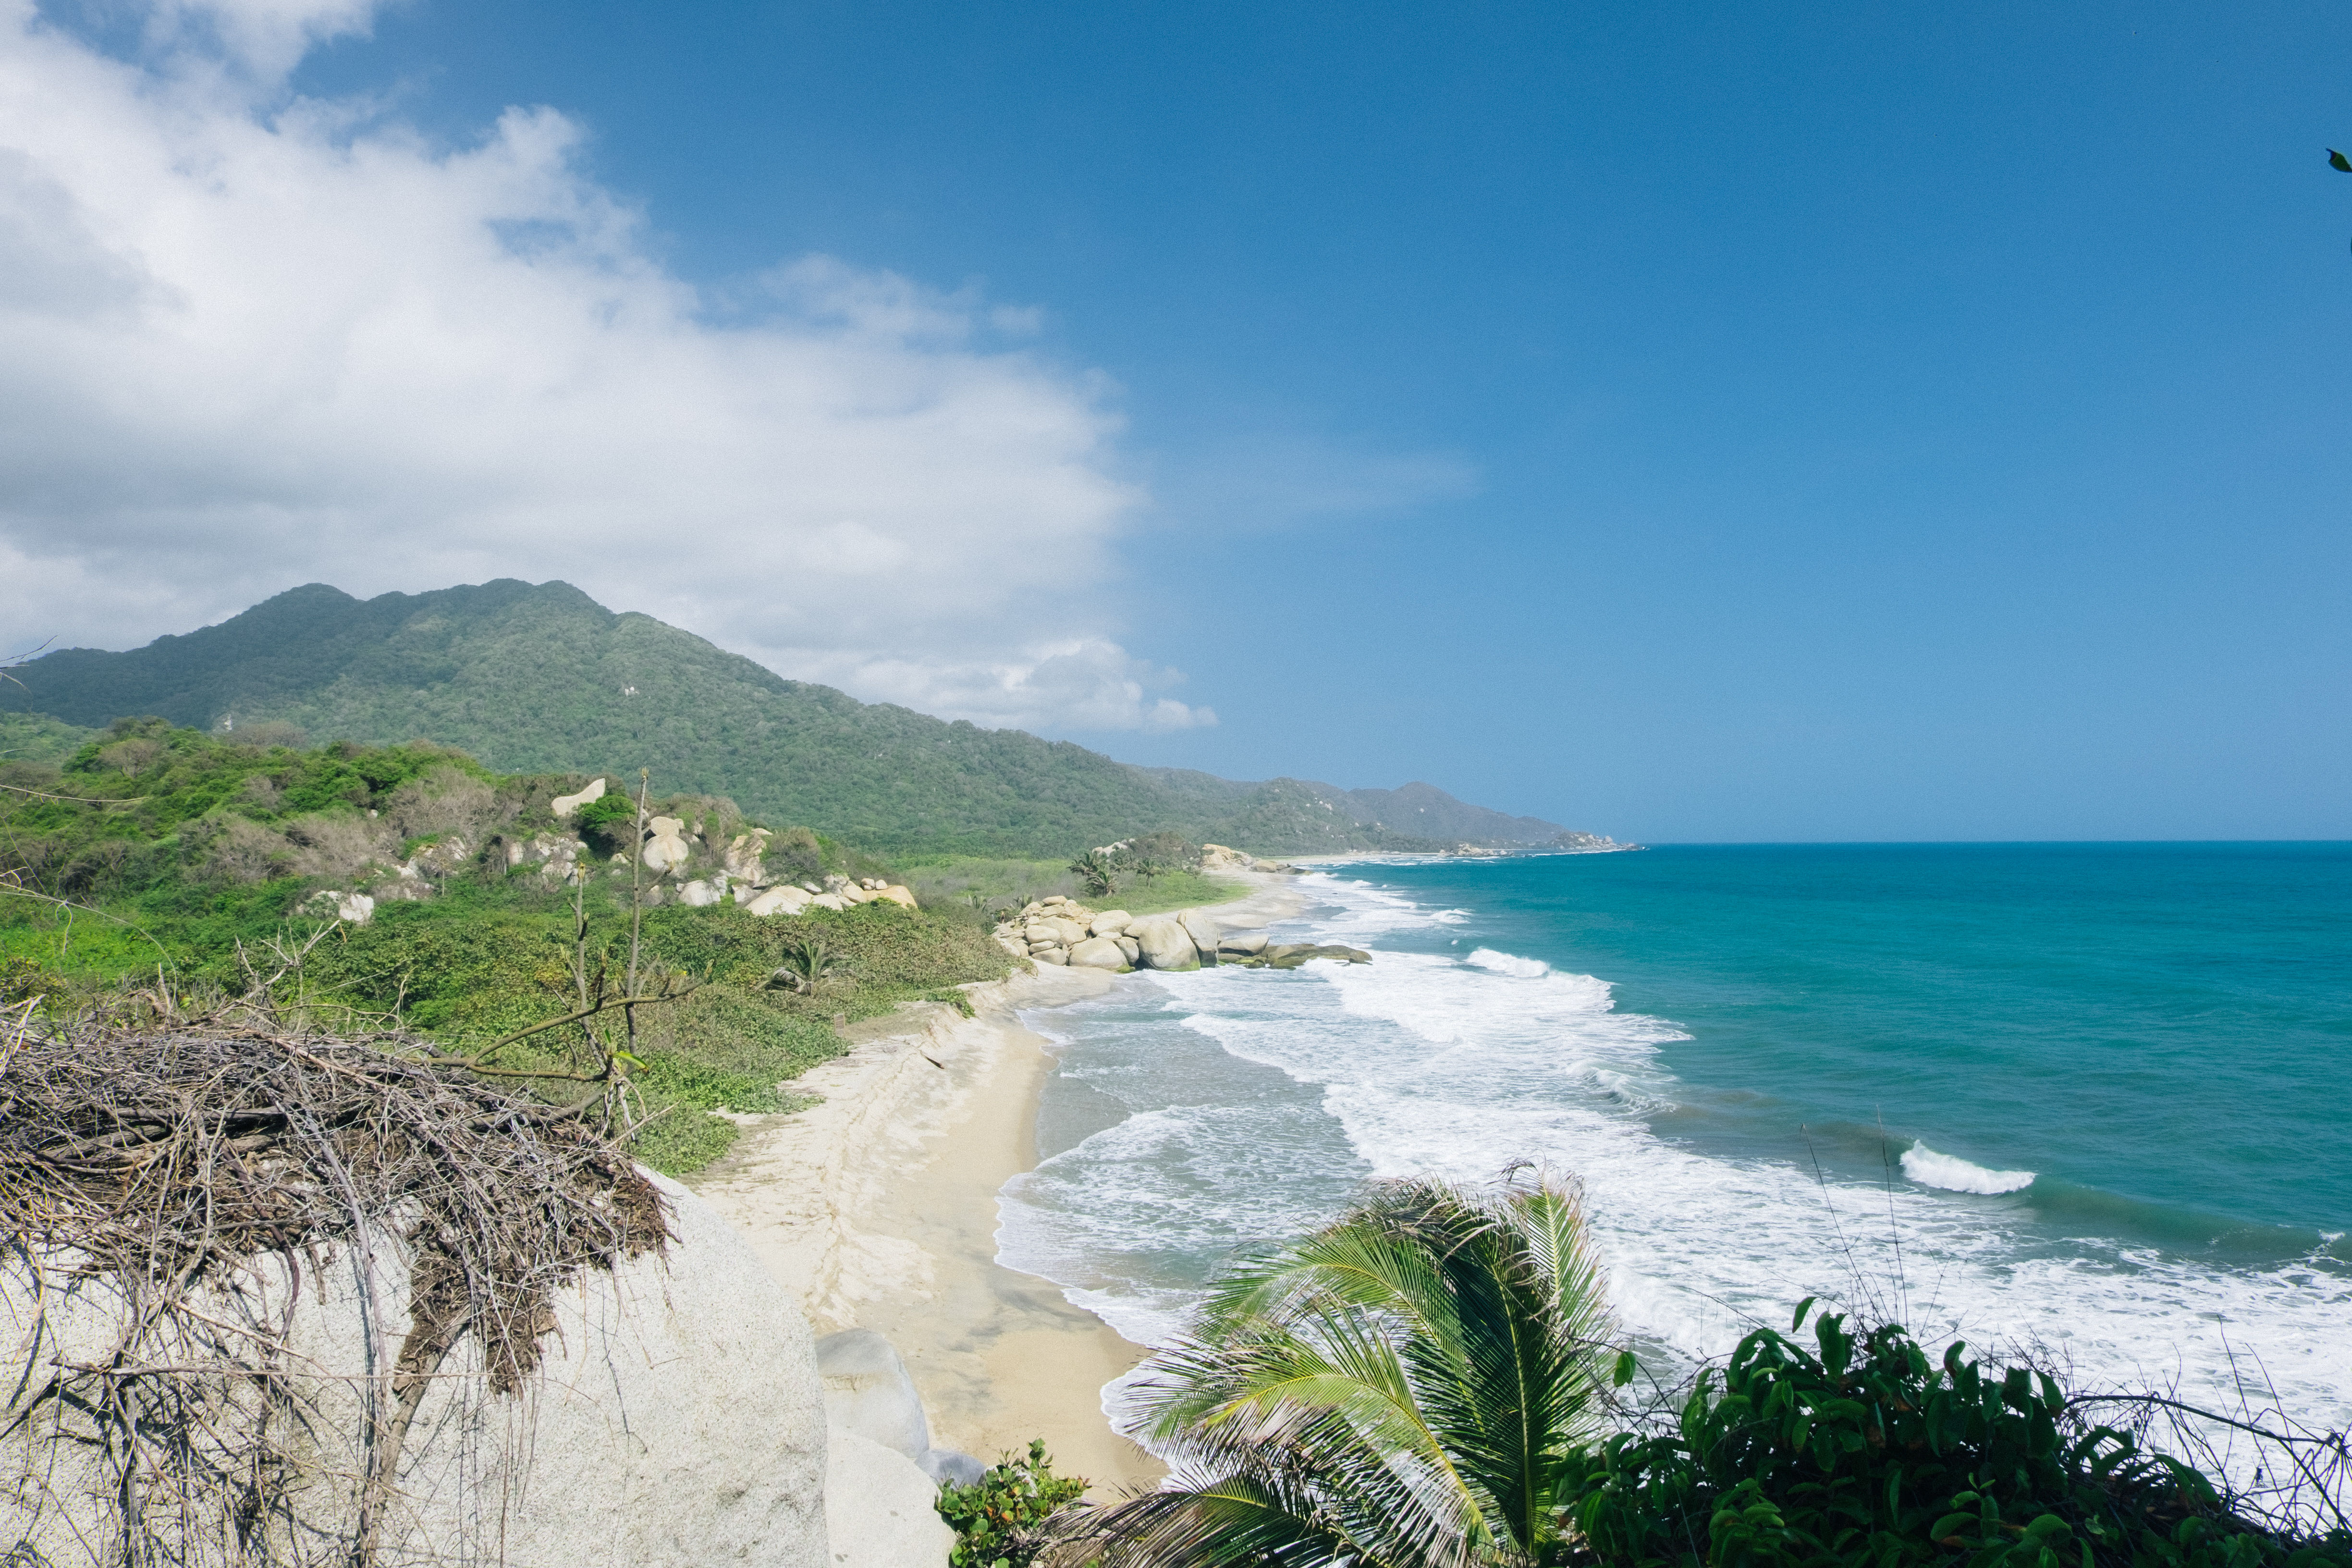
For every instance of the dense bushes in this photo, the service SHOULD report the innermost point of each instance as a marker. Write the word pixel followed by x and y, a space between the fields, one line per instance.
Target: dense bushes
pixel 1870 1454
pixel 1422 1385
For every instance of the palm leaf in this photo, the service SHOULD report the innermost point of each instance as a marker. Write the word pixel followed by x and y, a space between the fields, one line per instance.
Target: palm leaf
pixel 1399 1388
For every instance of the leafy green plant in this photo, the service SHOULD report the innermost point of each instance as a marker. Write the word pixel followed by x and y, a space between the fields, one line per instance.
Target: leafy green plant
pixel 999 1519
pixel 1099 871
pixel 1408 1386
pixel 1870 1455
pixel 610 823
pixel 808 961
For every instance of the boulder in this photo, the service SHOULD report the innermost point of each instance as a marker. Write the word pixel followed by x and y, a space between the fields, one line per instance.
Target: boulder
pixel 668 848
pixel 1013 945
pixel 1165 943
pixel 777 901
pixel 700 895
pixel 1218 857
pixel 676 1420
pixel 1110 922
pixel 828 901
pixel 950 1467
pixel 1204 927
pixel 356 909
pixel 742 857
pixel 897 895
pixel 868 1391
pixel 565 804
pixel 851 893
pixel 1098 952
pixel 880 1507
pixel 1130 946
pixel 1246 943
pixel 1051 955
pixel 1071 933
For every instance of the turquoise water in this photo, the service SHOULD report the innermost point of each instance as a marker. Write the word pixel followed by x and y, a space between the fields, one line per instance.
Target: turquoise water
pixel 2084 1099
pixel 2161 1032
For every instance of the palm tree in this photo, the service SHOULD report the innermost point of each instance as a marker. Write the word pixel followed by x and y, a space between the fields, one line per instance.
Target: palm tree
pixel 1399 1390
pixel 808 962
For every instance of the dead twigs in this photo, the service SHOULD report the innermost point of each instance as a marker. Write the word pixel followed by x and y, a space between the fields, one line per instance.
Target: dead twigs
pixel 170 1165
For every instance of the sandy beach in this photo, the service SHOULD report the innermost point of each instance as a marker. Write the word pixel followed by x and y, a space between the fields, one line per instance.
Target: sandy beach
pixel 877 1209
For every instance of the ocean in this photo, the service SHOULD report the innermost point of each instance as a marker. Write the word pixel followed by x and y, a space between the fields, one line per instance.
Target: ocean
pixel 2087 1102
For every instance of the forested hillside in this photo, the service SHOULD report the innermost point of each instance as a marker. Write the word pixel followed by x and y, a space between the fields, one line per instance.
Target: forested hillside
pixel 541 679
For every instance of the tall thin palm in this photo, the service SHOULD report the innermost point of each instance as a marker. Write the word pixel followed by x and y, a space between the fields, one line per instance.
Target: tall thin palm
pixel 1398 1390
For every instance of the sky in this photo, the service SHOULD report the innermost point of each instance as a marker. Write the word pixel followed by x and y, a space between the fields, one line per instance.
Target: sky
pixel 1690 423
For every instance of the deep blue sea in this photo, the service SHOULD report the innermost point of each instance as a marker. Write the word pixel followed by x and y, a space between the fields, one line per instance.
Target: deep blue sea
pixel 2086 1099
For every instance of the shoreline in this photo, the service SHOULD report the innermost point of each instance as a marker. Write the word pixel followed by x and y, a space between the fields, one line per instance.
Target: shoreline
pixel 877 1209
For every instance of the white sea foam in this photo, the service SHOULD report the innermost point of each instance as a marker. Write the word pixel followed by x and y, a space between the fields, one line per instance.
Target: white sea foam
pixel 1954 1174
pixel 1509 964
pixel 1456 1067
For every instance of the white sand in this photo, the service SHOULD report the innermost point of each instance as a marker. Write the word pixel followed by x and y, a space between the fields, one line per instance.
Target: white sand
pixel 877 1209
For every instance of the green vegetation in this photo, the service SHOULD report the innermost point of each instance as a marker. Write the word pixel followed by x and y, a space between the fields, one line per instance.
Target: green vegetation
pixel 1403 1386
pixel 1870 1454
pixel 1430 1381
pixel 996 1518
pixel 983 889
pixel 542 679
pixel 37 738
pixel 163 856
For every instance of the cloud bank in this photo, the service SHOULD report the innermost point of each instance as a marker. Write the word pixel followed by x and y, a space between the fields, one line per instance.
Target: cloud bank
pixel 248 342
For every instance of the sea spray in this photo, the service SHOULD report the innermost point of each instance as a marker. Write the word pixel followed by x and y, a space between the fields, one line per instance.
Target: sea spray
pixel 1242 1107
pixel 1954 1174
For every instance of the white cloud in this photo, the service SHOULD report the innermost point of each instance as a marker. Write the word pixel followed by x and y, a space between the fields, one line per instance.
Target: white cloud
pixel 244 347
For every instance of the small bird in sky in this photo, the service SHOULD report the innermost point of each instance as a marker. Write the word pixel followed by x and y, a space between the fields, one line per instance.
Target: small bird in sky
pixel 2338 162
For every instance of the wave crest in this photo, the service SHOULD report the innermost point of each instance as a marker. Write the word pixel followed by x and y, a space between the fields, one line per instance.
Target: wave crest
pixel 1954 1174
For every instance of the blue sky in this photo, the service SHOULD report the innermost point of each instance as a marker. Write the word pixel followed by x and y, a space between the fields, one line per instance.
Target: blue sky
pixel 1688 423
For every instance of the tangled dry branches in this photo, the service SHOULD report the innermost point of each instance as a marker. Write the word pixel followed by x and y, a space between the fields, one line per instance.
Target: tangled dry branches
pixel 167 1162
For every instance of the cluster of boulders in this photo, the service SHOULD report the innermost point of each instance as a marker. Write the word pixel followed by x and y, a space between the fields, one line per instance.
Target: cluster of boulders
pixel 1058 930
pixel 664 859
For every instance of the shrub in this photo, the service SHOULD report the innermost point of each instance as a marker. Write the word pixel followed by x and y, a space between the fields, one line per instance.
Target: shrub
pixel 609 822
pixel 1872 1456
pixel 998 1518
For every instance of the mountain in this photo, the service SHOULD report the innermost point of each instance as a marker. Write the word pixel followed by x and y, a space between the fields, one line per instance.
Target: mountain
pixel 542 678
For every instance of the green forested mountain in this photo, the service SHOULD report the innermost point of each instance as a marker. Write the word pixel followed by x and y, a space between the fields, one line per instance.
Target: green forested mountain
pixel 542 678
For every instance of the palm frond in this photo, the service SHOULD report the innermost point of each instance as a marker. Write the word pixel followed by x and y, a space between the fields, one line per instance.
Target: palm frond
pixel 1401 1387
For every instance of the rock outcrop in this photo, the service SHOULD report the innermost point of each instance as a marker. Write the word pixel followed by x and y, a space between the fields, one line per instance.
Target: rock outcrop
pixel 884 1472
pixel 1165 943
pixel 565 804
pixel 676 1419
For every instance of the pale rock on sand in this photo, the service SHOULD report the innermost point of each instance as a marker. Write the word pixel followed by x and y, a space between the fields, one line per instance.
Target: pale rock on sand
pixel 879 1506
pixel 1165 943
pixel 1098 953
pixel 1110 922
pixel 1205 932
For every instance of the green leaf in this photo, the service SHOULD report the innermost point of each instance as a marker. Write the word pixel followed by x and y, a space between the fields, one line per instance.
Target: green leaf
pixel 1626 1367
pixel 2338 162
